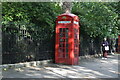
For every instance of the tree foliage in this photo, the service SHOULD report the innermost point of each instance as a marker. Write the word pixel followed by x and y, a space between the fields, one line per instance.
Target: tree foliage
pixel 38 17
pixel 96 19
pixel 29 27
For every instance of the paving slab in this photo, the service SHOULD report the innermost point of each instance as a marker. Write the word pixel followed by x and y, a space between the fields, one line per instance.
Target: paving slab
pixel 87 68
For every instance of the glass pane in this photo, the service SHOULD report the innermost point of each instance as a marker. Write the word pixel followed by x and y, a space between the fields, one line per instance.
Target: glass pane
pixel 66 40
pixel 62 40
pixel 63 50
pixel 61 35
pixel 75 55
pixel 61 30
pixel 66 50
pixel 66 35
pixel 66 30
pixel 66 55
pixel 60 50
pixel 61 55
pixel 75 30
pixel 61 45
pixel 75 35
pixel 75 50
pixel 66 45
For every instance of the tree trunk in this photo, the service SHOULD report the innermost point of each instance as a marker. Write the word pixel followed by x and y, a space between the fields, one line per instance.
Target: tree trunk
pixel 67 7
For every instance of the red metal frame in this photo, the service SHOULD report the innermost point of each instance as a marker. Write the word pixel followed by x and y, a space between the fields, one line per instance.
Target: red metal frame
pixel 67 47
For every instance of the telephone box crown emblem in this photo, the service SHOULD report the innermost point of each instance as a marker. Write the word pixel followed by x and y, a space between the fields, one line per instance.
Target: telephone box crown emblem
pixel 64 17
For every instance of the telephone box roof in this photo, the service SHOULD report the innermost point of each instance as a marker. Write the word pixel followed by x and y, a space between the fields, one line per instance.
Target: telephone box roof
pixel 70 15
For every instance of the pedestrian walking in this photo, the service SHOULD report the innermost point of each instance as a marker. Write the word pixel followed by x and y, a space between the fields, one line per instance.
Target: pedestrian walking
pixel 105 48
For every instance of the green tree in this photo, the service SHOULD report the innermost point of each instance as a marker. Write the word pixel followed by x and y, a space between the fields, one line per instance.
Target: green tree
pixel 97 19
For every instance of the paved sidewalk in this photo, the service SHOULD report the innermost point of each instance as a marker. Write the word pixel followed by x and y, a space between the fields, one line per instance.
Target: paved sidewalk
pixel 88 68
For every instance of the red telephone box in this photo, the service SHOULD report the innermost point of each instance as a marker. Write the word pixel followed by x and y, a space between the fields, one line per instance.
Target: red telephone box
pixel 67 39
pixel 119 44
